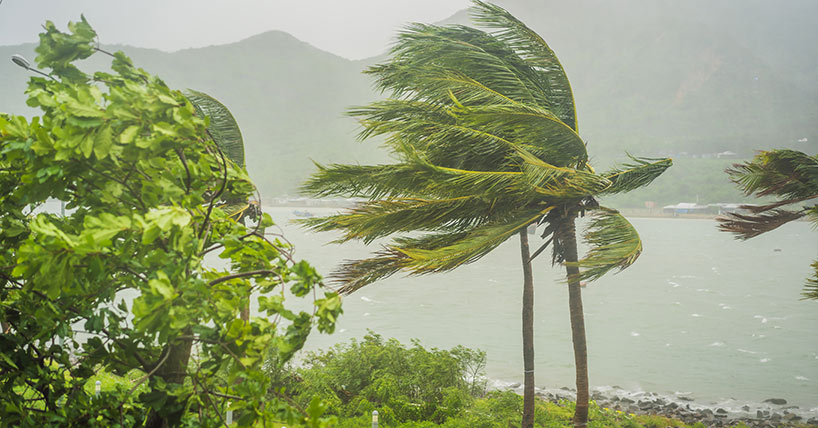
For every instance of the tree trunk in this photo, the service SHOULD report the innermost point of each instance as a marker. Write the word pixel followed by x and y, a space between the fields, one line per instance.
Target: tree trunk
pixel 173 370
pixel 528 333
pixel 568 238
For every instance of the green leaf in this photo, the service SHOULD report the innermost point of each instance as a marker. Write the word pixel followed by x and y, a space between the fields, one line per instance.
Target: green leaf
pixel 128 134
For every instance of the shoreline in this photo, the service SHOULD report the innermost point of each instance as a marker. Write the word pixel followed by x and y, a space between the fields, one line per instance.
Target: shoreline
pixel 772 412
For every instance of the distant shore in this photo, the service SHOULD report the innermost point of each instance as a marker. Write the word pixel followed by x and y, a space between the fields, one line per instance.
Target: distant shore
pixel 773 412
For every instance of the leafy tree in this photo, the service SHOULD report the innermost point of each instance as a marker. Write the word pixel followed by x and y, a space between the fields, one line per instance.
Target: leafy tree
pixel 120 284
pixel 402 383
pixel 788 175
pixel 484 130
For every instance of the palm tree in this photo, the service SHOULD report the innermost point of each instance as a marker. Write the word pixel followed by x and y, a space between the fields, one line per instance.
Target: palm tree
pixel 225 133
pixel 484 132
pixel 789 175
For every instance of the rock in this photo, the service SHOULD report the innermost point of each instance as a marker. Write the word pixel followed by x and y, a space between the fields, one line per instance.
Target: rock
pixel 514 385
pixel 626 400
pixel 777 401
pixel 721 411
pixel 685 398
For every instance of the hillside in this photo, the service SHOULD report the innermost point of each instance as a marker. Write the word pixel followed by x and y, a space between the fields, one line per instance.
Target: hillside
pixel 653 77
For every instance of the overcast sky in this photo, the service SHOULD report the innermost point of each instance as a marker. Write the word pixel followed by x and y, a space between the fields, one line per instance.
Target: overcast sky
pixel 351 28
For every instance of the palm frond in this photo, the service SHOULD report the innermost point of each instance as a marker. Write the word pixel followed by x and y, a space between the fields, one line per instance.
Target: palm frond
pixel 223 127
pixel 637 173
pixel 535 129
pixel 614 243
pixel 380 218
pixel 788 174
pixel 746 226
pixel 476 243
pixel 534 50
pixel 811 288
pixel 352 275
pixel 424 51
pixel 417 178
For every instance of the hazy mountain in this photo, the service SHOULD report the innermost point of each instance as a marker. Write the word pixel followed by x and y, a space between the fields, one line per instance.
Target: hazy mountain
pixel 654 77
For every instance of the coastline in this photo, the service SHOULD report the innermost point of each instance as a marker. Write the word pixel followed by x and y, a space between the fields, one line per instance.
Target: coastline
pixel 772 412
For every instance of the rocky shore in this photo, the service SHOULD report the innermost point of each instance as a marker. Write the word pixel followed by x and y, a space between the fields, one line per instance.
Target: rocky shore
pixel 772 413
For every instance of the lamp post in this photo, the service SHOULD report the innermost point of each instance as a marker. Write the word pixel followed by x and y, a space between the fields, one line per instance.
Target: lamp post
pixel 23 63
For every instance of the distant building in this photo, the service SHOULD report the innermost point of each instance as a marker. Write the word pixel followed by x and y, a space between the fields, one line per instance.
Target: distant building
pixel 686 208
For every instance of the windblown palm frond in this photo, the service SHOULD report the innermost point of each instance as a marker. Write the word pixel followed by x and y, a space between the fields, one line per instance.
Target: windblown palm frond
pixel 432 253
pixel 534 50
pixel 223 127
pixel 638 173
pixel 614 242
pixel 476 243
pixel 790 175
pixel 811 289
pixel 379 218
pixel 746 226
pixel 422 51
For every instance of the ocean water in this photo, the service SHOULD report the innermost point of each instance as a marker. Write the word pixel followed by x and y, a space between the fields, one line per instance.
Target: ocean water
pixel 700 314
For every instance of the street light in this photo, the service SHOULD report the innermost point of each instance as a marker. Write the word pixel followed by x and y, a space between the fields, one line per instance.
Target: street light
pixel 23 63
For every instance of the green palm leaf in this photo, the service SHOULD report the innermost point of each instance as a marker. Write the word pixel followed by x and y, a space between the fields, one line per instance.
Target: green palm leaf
pixel 638 173
pixel 476 243
pixel 223 127
pixel 379 218
pixel 534 50
pixel 614 243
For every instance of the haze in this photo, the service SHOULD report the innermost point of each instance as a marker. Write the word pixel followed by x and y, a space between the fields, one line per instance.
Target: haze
pixel 352 28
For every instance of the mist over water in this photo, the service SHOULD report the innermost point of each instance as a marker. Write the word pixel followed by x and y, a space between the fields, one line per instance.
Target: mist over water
pixel 699 314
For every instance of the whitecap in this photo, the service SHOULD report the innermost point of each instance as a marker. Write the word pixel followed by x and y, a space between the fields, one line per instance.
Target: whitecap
pixel 746 351
pixel 366 299
pixel 667 345
pixel 704 290
pixel 674 284
pixel 727 308
pixel 634 334
pixel 764 360
pixel 342 330
pixel 695 315
pixel 687 276
pixel 718 344
pixel 801 378
pixel 716 271
pixel 366 314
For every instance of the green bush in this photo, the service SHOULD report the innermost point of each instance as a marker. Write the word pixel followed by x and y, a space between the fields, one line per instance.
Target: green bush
pixel 403 383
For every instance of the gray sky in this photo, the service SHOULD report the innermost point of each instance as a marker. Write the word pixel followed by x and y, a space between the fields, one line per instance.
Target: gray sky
pixel 350 28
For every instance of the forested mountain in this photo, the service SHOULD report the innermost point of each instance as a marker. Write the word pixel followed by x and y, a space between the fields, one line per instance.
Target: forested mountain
pixel 654 77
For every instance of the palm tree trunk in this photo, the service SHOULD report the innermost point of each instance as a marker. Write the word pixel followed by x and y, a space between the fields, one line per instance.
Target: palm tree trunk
pixel 568 238
pixel 528 333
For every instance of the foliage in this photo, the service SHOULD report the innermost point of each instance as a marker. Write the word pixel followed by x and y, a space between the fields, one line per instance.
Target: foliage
pixel 120 284
pixel 402 383
pixel 791 177
pixel 484 129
